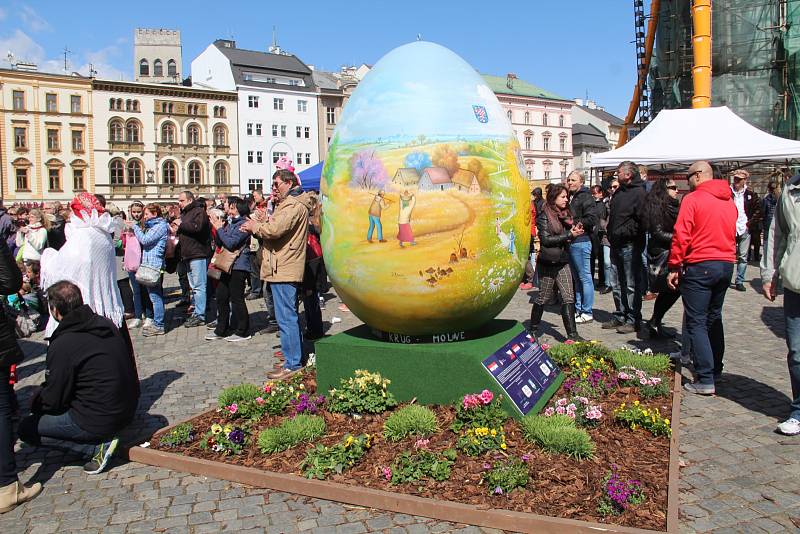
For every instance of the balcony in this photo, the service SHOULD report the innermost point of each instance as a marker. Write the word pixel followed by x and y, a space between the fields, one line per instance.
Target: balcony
pixel 222 150
pixel 126 146
pixel 128 189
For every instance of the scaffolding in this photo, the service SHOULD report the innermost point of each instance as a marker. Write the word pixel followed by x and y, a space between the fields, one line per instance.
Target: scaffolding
pixel 755 45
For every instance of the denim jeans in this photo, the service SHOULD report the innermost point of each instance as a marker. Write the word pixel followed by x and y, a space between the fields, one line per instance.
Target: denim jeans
pixel 375 221
pixel 613 282
pixel 256 284
pixel 285 296
pixel 742 247
pixel 580 255
pixel 140 304
pixel 198 278
pixel 791 311
pixel 269 302
pixel 156 294
pixel 627 260
pixel 59 432
pixel 703 288
pixel 8 466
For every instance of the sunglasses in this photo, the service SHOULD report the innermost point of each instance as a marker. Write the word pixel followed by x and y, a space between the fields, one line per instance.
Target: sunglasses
pixel 691 175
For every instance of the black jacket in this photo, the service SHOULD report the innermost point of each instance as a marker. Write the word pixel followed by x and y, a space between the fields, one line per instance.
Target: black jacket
pixel 194 233
pixel 89 373
pixel 661 227
pixel 581 204
pixel 624 220
pixel 10 283
pixel 553 248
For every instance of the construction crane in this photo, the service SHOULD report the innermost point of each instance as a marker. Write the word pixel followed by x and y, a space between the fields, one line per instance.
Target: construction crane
pixel 639 111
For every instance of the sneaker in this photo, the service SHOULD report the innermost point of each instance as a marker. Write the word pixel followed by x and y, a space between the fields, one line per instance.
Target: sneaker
pixel 194 321
pixel 685 359
pixel 134 323
pixel 148 323
pixel 212 336
pixel 103 454
pixel 612 324
pixel 603 290
pixel 626 328
pixel 584 318
pixel 740 287
pixel 234 338
pixel 700 389
pixel 149 331
pixel 322 303
pixel 790 427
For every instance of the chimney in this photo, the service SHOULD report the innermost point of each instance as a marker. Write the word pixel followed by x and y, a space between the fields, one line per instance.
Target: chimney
pixel 510 77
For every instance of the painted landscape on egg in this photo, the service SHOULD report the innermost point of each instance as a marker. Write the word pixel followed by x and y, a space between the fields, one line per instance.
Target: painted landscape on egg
pixel 454 239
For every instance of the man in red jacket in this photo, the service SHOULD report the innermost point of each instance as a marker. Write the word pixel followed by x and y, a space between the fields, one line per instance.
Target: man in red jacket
pixel 701 260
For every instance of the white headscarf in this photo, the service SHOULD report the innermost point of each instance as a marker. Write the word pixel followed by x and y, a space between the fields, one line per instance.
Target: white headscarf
pixel 87 259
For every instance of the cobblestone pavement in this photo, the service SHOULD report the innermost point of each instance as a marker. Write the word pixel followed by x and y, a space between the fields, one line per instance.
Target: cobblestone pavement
pixel 739 475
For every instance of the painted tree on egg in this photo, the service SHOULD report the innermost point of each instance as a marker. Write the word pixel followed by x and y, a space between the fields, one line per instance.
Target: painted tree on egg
pixel 368 171
pixel 418 160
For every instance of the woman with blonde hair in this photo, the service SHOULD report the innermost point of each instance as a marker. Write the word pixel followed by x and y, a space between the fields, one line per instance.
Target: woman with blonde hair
pixel 32 239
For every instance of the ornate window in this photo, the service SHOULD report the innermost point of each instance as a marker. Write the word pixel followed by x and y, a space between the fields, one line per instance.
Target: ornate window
pixel 158 68
pixel 134 171
pixel 169 172
pixel 115 131
pixel 116 170
pixel 168 133
pixel 544 119
pixel 195 173
pixel 561 120
pixel 193 134
pixel 527 142
pixel 172 69
pixel 77 180
pixel 220 173
pixel 132 132
pixel 220 135
pixel 144 68
pixel 54 178
pixel 22 178
pixel 527 118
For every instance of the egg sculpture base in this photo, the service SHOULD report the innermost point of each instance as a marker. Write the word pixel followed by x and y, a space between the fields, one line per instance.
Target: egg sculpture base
pixel 432 373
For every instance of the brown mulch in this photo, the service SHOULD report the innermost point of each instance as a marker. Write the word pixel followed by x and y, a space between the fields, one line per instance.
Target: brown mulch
pixel 559 486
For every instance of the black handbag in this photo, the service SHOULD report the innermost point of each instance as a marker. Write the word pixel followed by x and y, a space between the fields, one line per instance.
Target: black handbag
pixel 657 271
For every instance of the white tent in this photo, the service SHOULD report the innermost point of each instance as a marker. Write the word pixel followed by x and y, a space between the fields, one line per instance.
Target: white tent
pixel 683 136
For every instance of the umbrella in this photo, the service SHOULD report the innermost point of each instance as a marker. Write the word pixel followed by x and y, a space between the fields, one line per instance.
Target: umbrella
pixel 311 176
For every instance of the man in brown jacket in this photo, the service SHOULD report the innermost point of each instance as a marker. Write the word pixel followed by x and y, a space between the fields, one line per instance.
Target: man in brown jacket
pixel 283 257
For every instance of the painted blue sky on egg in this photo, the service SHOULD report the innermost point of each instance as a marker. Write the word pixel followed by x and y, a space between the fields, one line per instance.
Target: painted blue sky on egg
pixel 421 89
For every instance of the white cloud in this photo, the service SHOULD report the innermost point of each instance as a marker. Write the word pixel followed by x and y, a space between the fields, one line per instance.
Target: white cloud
pixel 32 20
pixel 26 49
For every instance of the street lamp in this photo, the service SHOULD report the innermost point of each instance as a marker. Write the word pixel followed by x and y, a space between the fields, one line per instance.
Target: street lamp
pixel 150 176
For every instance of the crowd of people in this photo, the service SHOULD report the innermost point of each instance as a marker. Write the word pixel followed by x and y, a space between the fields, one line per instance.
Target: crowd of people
pixel 95 273
pixel 646 243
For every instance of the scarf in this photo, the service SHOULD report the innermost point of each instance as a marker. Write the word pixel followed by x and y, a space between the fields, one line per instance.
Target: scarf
pixel 557 219
pixel 84 203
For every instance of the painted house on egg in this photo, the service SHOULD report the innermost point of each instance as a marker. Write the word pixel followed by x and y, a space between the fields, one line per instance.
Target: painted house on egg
pixel 465 180
pixel 406 177
pixel 435 179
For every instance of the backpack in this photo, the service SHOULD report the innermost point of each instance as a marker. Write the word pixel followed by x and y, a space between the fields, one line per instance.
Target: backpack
pixel 133 254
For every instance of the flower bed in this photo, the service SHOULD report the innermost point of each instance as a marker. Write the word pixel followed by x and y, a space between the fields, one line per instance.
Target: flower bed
pixel 589 463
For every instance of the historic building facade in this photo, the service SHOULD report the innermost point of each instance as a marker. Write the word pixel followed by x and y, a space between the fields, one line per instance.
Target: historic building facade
pixel 157 56
pixel 542 123
pixel 46 136
pixel 154 140
pixel 278 113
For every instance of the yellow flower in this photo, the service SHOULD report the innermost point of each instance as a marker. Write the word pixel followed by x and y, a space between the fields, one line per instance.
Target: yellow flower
pixel 494 432
pixel 633 426
pixel 589 360
pixel 503 446
pixel 666 421
pixel 302 386
pixel 216 429
pixel 636 403
pixel 291 389
pixel 348 441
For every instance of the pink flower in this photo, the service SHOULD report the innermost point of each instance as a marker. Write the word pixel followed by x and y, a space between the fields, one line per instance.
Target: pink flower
pixel 260 400
pixel 571 415
pixel 549 411
pixel 421 443
pixel 571 408
pixel 526 458
pixel 487 466
pixel 560 410
pixel 545 346
pixel 486 396
pixel 582 400
pixel 561 402
pixel 387 473
pixel 267 388
pixel 655 381
pixel 233 408
pixel 624 376
pixel 643 381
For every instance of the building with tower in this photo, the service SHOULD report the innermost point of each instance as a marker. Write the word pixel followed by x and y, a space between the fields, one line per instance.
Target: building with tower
pixel 157 56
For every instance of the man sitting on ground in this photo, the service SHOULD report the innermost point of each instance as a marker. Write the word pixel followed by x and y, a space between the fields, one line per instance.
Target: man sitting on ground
pixel 91 388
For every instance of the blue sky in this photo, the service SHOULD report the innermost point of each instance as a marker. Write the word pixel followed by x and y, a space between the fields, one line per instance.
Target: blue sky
pixel 567 47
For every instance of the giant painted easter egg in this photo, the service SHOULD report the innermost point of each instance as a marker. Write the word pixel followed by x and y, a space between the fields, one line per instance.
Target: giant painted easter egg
pixel 426 214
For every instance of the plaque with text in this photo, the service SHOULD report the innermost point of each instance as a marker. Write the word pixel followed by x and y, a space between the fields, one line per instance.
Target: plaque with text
pixel 524 370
